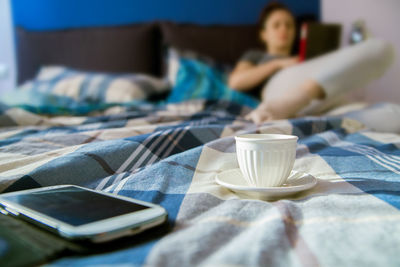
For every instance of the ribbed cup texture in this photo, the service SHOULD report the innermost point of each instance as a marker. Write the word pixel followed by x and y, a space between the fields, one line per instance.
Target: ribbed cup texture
pixel 266 168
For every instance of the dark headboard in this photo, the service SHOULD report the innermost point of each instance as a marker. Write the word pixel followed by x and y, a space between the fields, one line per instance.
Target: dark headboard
pixel 112 49
pixel 135 48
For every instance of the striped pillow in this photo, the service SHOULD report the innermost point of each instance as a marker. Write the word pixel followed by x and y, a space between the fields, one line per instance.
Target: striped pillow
pixel 175 55
pixel 96 87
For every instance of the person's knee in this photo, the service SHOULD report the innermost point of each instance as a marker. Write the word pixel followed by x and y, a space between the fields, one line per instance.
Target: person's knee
pixel 388 53
pixel 383 50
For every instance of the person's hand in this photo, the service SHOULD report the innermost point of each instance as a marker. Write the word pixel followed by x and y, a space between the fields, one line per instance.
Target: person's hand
pixel 287 62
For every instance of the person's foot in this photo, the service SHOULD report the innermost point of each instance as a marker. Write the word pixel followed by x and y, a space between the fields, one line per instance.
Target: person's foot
pixel 287 106
pixel 260 114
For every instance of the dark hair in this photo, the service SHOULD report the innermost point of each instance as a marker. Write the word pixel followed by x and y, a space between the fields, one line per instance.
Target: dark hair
pixel 270 8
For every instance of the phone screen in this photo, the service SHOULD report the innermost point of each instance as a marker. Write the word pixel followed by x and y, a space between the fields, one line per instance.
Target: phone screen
pixel 75 206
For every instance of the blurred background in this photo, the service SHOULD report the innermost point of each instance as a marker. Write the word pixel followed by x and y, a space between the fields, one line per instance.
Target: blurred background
pixel 358 18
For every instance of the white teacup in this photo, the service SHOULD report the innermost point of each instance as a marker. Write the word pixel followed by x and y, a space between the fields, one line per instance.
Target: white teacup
pixel 266 160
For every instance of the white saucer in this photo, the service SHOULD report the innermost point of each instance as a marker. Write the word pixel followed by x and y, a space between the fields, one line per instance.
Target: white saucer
pixel 297 181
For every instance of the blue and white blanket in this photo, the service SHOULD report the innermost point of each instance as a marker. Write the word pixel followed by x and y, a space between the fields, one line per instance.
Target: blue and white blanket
pixel 171 154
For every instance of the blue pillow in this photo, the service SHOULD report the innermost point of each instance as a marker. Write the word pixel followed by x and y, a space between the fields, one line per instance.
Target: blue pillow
pixel 197 80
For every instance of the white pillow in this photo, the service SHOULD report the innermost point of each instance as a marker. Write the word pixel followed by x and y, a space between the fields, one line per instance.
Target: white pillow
pixel 96 86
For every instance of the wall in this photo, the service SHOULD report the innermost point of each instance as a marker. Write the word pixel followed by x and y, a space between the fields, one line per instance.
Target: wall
pixel 59 14
pixel 7 58
pixel 382 20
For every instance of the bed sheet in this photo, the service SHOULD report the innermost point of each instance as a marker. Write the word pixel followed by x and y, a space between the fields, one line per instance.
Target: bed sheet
pixel 171 154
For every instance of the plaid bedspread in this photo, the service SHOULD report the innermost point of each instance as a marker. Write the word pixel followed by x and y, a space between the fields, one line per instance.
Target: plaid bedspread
pixel 170 155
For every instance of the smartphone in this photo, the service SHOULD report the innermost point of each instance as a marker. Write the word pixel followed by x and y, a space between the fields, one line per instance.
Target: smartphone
pixel 78 213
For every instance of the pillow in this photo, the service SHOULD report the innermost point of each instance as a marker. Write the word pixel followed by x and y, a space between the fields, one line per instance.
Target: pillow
pixel 174 56
pixel 94 86
pixel 197 80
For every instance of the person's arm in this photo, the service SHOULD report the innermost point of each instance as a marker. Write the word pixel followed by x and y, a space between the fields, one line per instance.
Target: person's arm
pixel 246 75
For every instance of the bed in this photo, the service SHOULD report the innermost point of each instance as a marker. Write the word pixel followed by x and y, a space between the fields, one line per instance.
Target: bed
pixel 170 153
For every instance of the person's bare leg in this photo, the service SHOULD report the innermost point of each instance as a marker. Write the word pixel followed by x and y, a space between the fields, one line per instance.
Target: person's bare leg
pixel 288 105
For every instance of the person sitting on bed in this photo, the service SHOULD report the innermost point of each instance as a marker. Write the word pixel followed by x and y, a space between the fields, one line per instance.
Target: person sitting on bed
pixel 289 88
